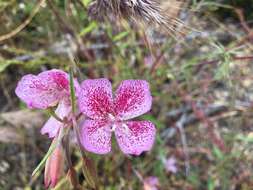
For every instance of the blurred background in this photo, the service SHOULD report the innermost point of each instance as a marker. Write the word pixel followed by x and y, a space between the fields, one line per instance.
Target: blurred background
pixel 200 76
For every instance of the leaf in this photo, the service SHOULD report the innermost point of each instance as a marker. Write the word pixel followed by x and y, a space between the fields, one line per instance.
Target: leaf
pixel 151 118
pixel 6 63
pixel 247 139
pixel 210 184
pixel 85 2
pixel 88 29
pixel 52 113
pixel 43 161
pixel 120 36
pixel 218 154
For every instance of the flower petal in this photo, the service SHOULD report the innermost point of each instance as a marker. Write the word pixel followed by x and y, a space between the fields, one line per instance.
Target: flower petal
pixel 96 136
pixel 44 90
pixel 134 137
pixel 133 98
pixel 95 98
pixel 52 126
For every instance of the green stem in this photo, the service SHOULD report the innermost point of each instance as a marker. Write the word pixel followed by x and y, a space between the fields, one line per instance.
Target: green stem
pixel 53 114
pixel 72 91
pixel 88 166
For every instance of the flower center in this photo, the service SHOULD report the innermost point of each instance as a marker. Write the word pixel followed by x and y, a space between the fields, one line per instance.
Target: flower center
pixel 111 117
pixel 114 122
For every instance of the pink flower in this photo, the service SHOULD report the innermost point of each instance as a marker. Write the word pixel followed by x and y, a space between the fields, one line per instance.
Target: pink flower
pixel 44 90
pixel 107 114
pixel 170 165
pixel 150 183
pixel 47 89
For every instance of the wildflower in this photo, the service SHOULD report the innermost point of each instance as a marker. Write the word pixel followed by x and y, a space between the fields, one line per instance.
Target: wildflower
pixel 54 167
pixel 150 183
pixel 107 114
pixel 46 90
pixel 170 165
pixel 149 61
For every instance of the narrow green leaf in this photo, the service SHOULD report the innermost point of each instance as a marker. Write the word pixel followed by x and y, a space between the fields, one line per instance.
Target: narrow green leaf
pixel 120 36
pixel 4 64
pixel 53 114
pixel 85 2
pixel 43 161
pixel 218 154
pixel 88 29
pixel 210 184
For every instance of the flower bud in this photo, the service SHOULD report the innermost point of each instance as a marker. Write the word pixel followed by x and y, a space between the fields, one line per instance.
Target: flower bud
pixel 54 168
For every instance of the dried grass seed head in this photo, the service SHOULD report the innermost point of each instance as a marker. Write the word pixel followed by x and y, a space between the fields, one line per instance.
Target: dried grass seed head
pixel 147 12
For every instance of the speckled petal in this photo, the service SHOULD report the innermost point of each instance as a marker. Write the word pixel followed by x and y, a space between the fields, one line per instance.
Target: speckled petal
pixel 133 98
pixel 44 90
pixel 134 137
pixel 95 98
pixel 52 126
pixel 96 136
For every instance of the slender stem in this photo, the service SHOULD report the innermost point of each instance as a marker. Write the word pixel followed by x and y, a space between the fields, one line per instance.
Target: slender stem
pixel 72 174
pixel 72 91
pixel 53 114
pixel 88 168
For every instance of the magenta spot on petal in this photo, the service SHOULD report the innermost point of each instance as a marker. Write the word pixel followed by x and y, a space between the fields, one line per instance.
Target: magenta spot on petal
pixel 61 80
pixel 30 105
pixel 38 85
pixel 134 137
pixel 95 98
pixel 137 129
pixel 99 102
pixel 43 90
pixel 133 98
pixel 130 98
pixel 95 136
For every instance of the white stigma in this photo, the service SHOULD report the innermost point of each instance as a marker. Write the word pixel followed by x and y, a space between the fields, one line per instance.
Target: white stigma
pixel 111 117
pixel 113 127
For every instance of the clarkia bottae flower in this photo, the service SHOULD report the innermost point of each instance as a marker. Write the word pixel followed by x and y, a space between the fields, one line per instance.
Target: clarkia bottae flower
pixel 109 114
pixel 106 114
pixel 46 90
